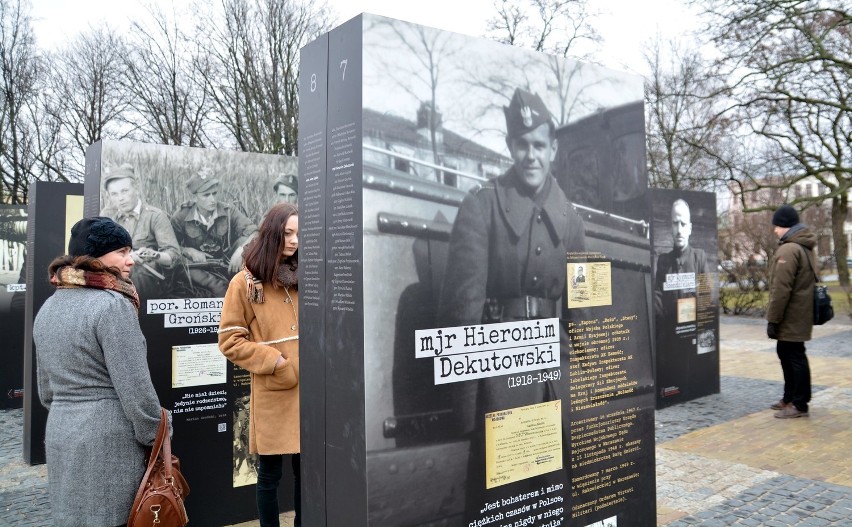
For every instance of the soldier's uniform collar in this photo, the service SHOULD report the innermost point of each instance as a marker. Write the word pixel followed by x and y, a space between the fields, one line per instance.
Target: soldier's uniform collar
pixel 516 208
pixel 196 215
pixel 133 213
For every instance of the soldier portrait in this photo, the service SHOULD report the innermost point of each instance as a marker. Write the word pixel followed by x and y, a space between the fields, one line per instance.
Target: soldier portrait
pixel 211 234
pixel 682 261
pixel 481 192
pixel 684 298
pixel 507 262
pixel 580 277
pixel 155 248
pixel 286 189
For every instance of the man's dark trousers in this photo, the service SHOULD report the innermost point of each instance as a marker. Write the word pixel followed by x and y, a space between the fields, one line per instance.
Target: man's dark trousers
pixel 797 373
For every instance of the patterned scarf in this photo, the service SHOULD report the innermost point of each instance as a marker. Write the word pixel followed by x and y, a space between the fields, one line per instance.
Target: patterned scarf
pixel 287 276
pixel 69 278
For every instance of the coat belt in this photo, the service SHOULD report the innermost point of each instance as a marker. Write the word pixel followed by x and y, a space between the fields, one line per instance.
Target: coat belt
pixel 518 308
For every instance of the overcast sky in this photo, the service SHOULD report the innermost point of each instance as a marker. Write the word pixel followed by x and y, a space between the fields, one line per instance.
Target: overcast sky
pixel 625 25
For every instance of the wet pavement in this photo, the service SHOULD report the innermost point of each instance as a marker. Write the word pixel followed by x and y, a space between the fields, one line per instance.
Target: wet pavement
pixel 722 460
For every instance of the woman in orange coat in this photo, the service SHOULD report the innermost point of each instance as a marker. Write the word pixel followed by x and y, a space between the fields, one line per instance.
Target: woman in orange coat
pixel 259 332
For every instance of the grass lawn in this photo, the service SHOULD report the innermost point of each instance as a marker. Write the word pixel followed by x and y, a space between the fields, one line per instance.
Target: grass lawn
pixel 754 303
pixel 840 301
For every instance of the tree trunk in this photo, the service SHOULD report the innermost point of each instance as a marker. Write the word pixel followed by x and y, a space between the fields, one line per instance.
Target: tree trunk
pixel 839 210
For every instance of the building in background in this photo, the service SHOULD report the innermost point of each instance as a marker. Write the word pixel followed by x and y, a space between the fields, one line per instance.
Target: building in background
pixel 746 237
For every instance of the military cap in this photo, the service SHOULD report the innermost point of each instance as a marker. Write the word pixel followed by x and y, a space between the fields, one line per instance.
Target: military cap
pixel 288 181
pixel 124 171
pixel 203 181
pixel 525 113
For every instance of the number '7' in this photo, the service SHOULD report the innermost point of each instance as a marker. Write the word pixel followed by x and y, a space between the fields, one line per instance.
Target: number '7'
pixel 343 67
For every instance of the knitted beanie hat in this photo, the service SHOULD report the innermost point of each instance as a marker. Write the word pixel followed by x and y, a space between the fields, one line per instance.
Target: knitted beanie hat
pixel 97 236
pixel 785 216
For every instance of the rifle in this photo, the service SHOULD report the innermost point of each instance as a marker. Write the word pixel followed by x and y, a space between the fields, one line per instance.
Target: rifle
pixel 210 262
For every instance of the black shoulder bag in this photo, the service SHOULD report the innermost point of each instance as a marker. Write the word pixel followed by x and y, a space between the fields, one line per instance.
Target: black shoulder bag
pixel 823 312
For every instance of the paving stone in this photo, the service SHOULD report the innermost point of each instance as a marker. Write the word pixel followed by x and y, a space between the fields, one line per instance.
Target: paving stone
pixel 788 518
pixel 776 523
pixel 813 522
pixel 831 516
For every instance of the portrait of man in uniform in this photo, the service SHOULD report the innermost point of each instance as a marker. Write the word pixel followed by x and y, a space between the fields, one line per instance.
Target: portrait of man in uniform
pixel 211 234
pixel 675 296
pixel 286 189
pixel 682 259
pixel 155 247
pixel 507 262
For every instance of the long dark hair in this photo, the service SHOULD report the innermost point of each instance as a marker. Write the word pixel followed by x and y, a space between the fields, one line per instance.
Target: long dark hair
pixel 83 263
pixel 263 255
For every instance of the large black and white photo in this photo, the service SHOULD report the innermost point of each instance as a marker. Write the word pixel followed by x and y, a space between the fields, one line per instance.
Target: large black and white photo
pixel 13 254
pixel 467 182
pixel 190 212
pixel 686 295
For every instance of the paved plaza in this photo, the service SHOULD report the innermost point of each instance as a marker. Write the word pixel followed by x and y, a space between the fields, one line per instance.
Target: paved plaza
pixel 722 460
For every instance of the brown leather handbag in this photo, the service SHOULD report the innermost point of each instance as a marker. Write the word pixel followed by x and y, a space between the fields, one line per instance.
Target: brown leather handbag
pixel 159 500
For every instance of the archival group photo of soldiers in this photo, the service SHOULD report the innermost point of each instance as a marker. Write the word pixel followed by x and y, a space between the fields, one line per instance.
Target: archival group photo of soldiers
pixel 189 211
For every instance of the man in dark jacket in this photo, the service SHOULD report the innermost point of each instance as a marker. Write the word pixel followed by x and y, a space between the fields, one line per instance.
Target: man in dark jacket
pixel 507 262
pixel 790 313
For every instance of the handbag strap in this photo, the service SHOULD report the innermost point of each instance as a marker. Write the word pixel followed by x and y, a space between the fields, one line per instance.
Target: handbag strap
pixel 161 440
pixel 162 436
pixel 167 446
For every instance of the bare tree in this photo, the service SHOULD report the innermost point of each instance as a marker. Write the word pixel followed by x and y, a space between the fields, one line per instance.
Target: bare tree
pixel 789 66
pixel 747 243
pixel 253 68
pixel 429 62
pixel 163 78
pixel 20 68
pixel 86 96
pixel 558 27
pixel 561 29
pixel 687 138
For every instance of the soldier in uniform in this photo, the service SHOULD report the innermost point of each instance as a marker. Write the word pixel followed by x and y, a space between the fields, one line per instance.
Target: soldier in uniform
pixel 155 247
pixel 683 259
pixel 507 262
pixel 211 234
pixel 286 189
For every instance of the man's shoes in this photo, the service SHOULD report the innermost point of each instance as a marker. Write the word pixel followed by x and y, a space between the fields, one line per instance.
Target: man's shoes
pixel 780 405
pixel 789 412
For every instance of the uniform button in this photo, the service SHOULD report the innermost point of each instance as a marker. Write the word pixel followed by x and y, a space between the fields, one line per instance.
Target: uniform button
pixel 538 217
pixel 535 279
pixel 538 250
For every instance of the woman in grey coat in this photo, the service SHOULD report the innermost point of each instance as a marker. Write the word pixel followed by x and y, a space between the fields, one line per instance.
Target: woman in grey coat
pixel 93 378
